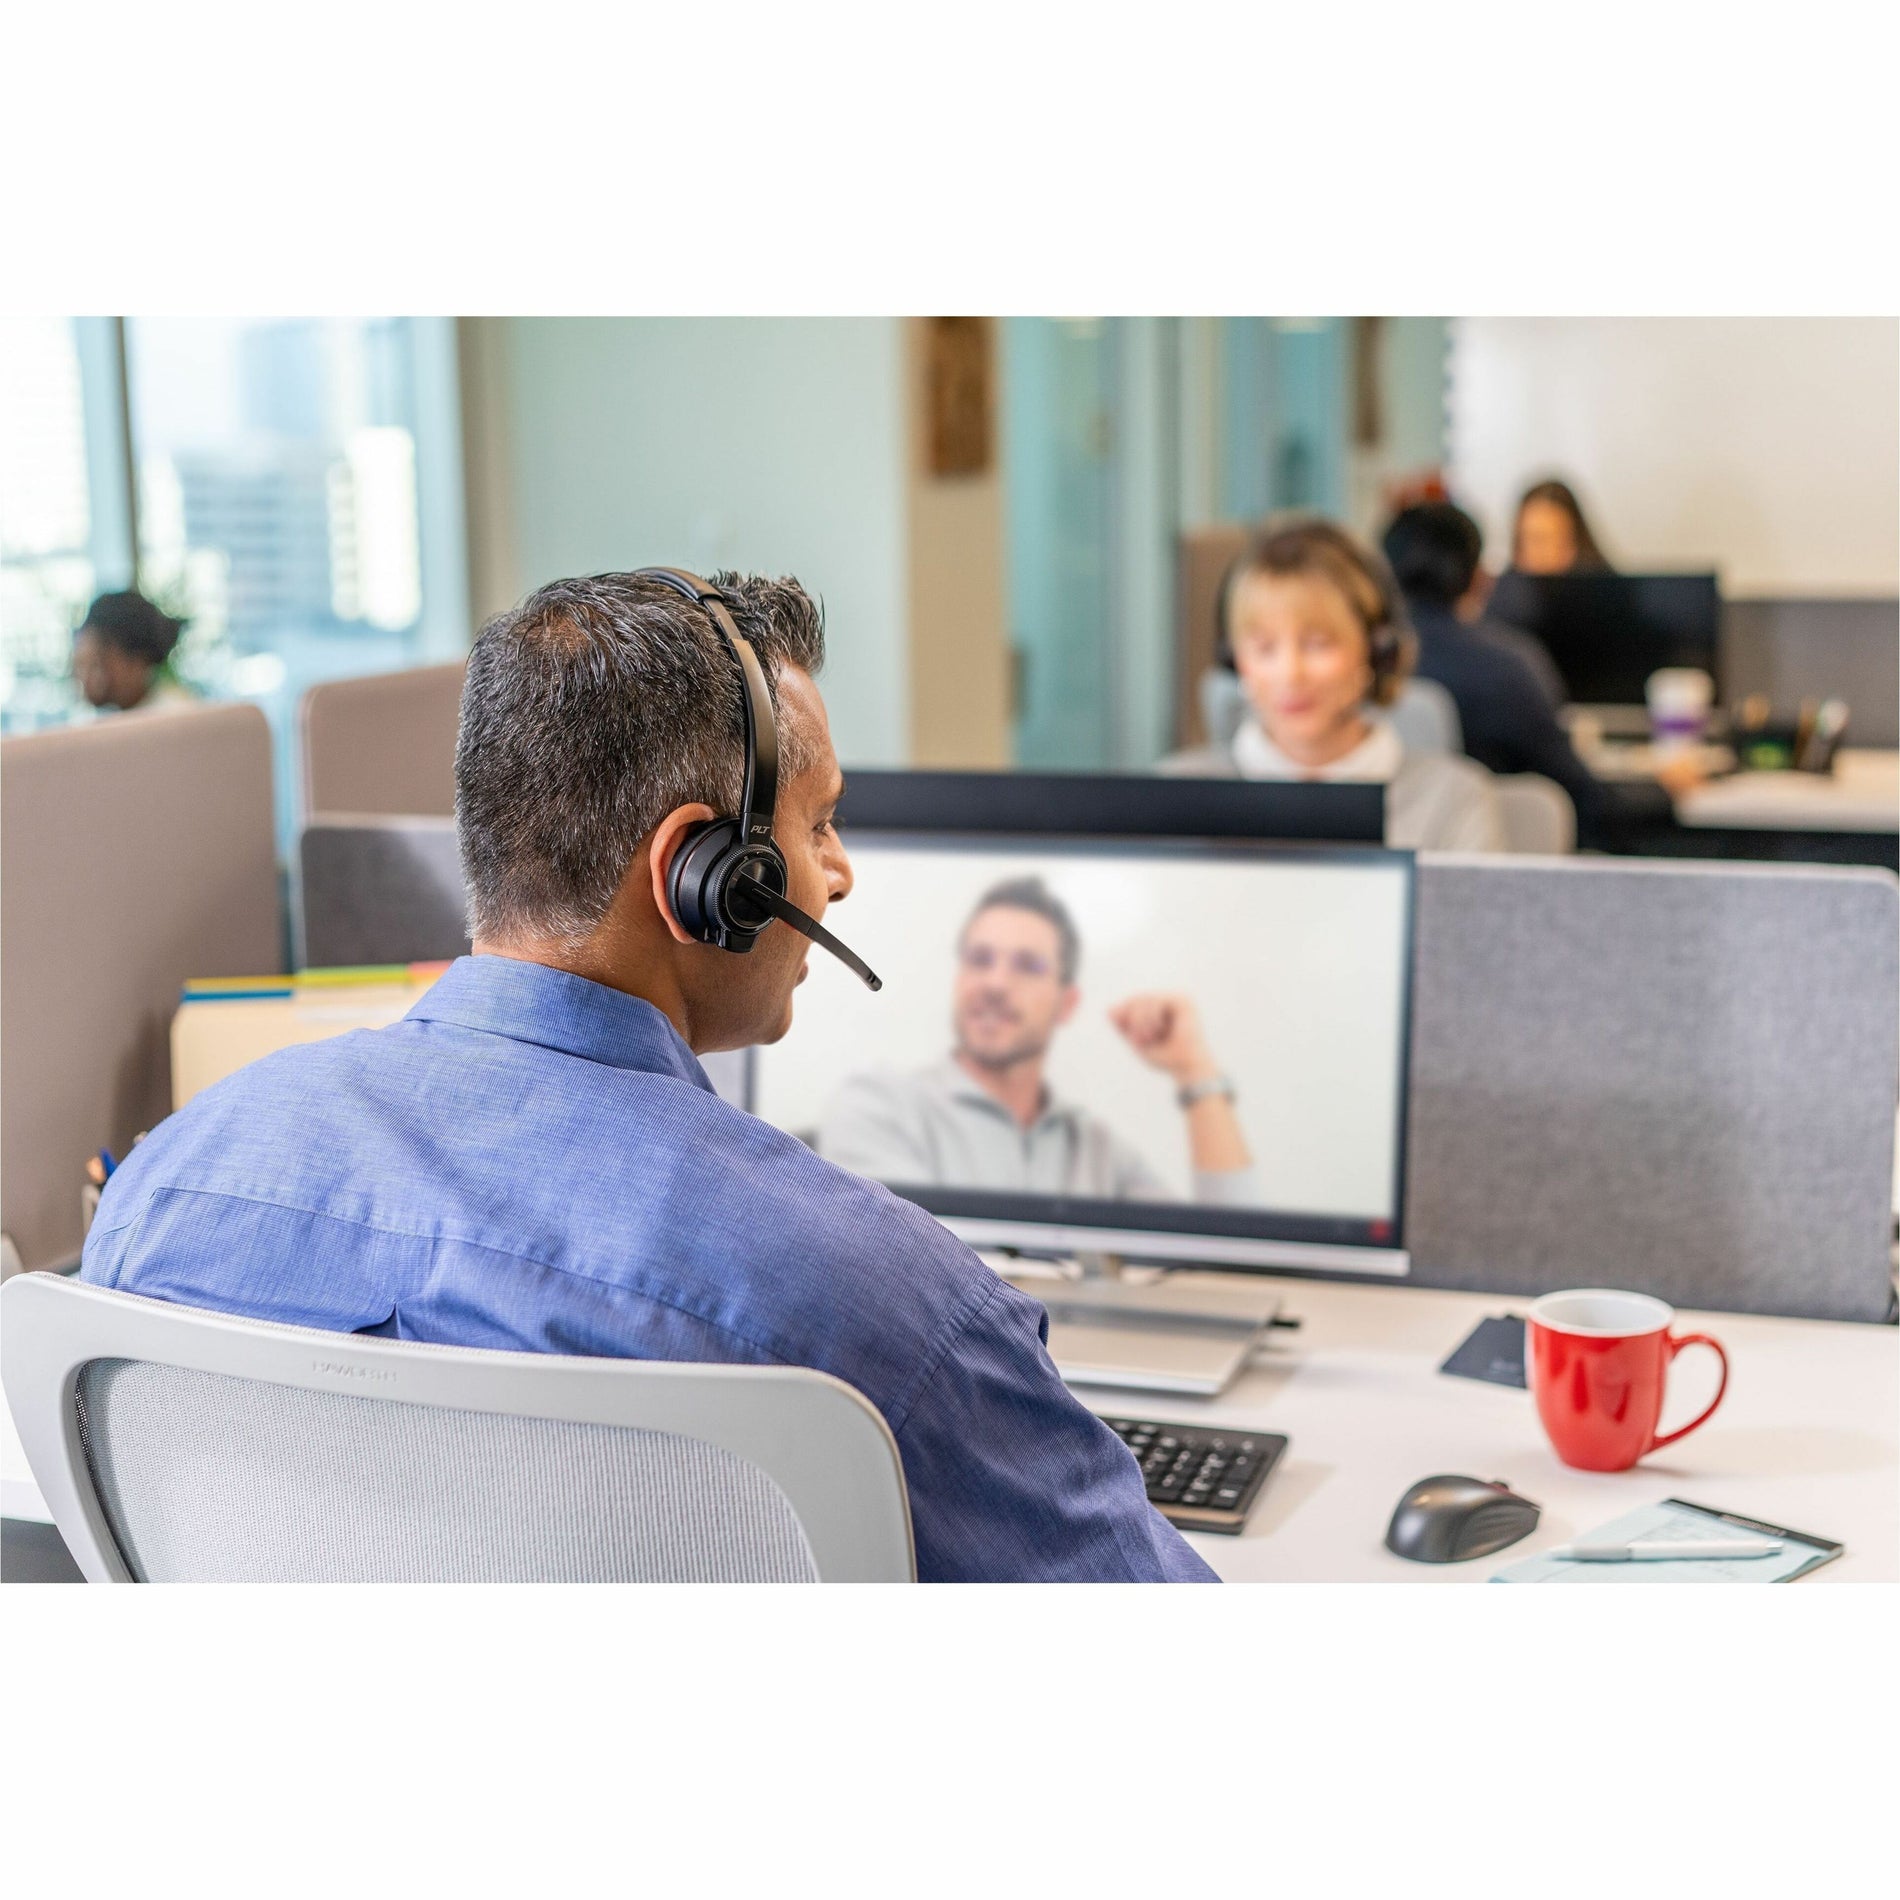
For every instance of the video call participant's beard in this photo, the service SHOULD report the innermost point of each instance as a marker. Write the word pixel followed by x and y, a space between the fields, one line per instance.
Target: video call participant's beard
pixel 984 1035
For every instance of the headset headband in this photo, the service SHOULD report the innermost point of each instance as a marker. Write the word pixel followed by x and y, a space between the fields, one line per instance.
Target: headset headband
pixel 759 798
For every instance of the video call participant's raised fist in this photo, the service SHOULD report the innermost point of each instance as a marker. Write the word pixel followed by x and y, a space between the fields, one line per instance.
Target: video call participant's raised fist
pixel 1165 1031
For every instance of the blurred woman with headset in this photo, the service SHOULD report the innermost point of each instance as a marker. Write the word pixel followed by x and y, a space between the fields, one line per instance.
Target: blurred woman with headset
pixel 1314 626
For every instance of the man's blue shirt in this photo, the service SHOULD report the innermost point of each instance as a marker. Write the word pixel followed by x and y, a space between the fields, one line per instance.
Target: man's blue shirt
pixel 535 1162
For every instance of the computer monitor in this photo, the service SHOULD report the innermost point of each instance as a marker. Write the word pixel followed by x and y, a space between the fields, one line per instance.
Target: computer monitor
pixel 1125 805
pixel 1608 632
pixel 1151 1048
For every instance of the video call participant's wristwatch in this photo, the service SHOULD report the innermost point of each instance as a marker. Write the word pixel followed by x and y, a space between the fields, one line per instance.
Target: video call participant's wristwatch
pixel 1193 1092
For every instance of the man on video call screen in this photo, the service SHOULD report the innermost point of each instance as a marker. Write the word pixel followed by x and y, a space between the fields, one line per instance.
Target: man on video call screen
pixel 1220 1030
pixel 986 1116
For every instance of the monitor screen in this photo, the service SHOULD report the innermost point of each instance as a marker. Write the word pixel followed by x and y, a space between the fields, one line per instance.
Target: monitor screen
pixel 1608 632
pixel 1157 1048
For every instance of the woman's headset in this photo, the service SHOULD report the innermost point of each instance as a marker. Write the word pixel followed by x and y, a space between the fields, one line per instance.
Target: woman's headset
pixel 727 879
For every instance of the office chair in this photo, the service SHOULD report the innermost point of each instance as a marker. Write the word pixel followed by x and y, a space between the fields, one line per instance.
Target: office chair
pixel 1539 819
pixel 1425 717
pixel 177 1445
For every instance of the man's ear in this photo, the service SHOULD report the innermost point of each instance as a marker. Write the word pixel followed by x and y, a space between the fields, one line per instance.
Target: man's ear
pixel 1071 996
pixel 662 847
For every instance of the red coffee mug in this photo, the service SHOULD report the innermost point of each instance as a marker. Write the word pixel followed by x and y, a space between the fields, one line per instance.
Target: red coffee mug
pixel 1598 1363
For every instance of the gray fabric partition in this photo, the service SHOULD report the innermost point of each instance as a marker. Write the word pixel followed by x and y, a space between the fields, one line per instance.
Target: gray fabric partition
pixel 1810 649
pixel 378 890
pixel 1678 1077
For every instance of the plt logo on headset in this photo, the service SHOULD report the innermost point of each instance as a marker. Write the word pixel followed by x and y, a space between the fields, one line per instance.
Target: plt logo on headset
pixel 727 879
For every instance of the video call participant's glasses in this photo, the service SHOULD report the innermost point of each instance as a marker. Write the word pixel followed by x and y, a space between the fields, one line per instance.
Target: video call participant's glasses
pixel 979 958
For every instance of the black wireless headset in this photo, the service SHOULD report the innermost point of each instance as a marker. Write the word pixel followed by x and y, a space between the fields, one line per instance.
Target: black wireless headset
pixel 727 879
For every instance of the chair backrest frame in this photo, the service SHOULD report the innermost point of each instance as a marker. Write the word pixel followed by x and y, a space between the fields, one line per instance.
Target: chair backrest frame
pixel 821 1442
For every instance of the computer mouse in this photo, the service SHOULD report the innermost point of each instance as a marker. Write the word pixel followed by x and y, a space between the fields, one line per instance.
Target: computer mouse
pixel 1445 1520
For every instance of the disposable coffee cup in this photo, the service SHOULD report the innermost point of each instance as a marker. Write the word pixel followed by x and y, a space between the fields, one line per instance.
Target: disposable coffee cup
pixel 1679 701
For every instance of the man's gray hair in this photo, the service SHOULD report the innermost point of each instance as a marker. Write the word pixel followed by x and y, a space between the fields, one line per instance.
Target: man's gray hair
pixel 591 711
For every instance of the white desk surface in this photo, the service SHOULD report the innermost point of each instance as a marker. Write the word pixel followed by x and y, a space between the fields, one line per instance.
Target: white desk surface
pixel 1808 1437
pixel 1862 793
pixel 1638 759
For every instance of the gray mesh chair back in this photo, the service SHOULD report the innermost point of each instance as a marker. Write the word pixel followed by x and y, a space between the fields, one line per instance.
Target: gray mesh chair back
pixel 1539 819
pixel 176 1445
pixel 1425 716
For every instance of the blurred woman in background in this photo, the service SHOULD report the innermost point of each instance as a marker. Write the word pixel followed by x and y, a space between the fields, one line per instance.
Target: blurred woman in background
pixel 1552 536
pixel 1316 631
pixel 122 654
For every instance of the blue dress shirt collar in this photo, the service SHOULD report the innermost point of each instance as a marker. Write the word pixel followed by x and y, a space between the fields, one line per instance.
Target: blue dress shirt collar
pixel 554 1009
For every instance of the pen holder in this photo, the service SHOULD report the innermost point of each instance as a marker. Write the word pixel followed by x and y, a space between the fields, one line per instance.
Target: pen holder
pixel 1775 745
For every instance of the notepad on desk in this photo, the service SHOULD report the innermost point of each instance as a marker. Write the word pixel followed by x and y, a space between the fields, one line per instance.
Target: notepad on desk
pixel 1675 1520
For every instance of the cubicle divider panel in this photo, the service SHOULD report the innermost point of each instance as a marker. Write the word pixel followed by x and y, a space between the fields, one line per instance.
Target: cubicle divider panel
pixel 1676 1078
pixel 378 890
pixel 135 852
pixel 383 744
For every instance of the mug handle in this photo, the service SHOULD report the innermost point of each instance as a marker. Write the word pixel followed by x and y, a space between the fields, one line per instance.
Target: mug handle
pixel 1702 1417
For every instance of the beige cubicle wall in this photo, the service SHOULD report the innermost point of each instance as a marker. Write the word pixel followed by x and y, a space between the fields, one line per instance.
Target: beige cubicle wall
pixel 383 745
pixel 135 852
pixel 1202 557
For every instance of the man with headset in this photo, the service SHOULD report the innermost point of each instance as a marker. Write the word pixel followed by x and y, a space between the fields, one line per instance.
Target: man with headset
pixel 534 1159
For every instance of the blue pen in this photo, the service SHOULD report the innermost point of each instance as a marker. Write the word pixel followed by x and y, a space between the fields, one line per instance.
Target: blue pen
pixel 106 1161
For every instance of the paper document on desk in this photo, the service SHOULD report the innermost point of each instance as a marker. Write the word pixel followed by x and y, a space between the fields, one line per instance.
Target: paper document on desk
pixel 1679 1522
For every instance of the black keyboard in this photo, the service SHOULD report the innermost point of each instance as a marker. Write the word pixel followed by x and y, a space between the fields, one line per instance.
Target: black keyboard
pixel 1200 1478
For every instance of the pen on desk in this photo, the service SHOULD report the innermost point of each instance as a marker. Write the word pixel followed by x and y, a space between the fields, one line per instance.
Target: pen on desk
pixel 1663 1550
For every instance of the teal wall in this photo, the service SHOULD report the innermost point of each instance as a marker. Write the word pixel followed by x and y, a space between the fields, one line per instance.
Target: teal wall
pixel 1417 387
pixel 1286 409
pixel 774 444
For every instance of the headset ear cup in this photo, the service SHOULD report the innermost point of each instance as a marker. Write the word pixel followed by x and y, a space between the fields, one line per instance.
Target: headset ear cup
pixel 700 885
pixel 691 889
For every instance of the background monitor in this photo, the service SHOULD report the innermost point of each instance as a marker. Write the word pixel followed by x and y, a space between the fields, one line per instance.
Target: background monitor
pixel 1297 964
pixel 1127 805
pixel 1608 632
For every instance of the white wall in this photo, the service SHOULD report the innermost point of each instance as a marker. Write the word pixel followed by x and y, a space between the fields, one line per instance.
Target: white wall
pixel 1768 447
pixel 771 444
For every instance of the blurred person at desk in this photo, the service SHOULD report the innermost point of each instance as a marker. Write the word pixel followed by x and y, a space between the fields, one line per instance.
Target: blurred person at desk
pixel 1315 628
pixel 122 654
pixel 1507 689
pixel 533 1159
pixel 1552 535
